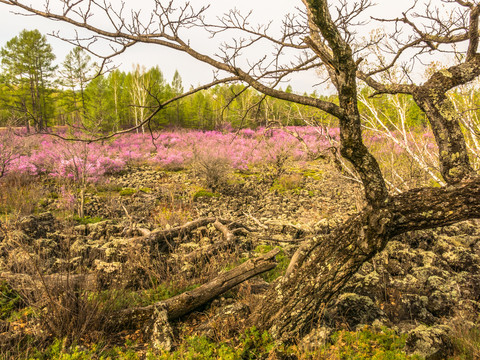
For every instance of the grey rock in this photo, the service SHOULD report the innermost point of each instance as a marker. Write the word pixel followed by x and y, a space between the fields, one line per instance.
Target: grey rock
pixel 432 343
pixel 225 315
pixel 353 309
pixel 316 339
pixel 162 332
pixel 39 225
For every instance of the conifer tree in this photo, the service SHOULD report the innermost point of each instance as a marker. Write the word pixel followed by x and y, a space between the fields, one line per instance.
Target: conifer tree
pixel 27 61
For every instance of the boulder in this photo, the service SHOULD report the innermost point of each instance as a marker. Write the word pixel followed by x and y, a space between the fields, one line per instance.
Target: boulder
pixel 352 309
pixel 432 343
pixel 37 226
pixel 316 339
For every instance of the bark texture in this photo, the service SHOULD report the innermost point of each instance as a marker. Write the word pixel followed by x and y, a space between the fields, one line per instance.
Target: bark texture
pixel 342 68
pixel 432 99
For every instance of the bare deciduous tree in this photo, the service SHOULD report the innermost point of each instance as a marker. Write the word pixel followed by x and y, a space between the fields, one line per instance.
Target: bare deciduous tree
pixel 323 35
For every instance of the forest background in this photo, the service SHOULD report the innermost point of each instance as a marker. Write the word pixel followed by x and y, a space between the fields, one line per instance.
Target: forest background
pixel 38 94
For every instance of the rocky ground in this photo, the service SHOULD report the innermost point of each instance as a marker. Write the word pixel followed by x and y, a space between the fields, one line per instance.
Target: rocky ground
pixel 425 284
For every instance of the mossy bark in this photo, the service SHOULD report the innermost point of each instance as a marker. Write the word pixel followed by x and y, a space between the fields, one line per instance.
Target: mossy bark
pixel 342 68
pixel 432 99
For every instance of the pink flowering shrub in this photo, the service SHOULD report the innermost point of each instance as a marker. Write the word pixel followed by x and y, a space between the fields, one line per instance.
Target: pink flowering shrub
pixel 239 150
pixel 67 160
pixel 407 159
pixel 11 149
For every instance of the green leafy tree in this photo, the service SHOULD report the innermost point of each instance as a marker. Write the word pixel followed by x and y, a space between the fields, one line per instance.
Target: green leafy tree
pixel 78 70
pixel 158 92
pixel 117 98
pixel 199 111
pixel 97 109
pixel 177 89
pixel 27 61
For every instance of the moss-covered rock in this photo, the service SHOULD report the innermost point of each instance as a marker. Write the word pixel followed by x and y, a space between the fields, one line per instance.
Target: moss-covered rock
pixel 432 343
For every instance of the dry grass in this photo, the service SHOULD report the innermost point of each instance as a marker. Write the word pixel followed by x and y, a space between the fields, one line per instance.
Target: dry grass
pixel 20 194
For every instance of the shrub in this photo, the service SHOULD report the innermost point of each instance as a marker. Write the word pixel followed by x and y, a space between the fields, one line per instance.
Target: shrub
pixel 214 171
pixel 466 341
pixel 11 148
pixel 171 214
pixel 287 183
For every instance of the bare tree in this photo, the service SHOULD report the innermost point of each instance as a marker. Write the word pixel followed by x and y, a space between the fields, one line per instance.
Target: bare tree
pixel 323 35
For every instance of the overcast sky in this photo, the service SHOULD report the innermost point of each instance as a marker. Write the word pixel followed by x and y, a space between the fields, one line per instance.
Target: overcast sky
pixel 192 72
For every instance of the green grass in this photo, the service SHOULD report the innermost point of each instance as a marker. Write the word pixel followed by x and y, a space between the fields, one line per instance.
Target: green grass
pixel 165 291
pixel 52 195
pixel 466 342
pixel 284 183
pixel 204 193
pixel 314 174
pixel 127 192
pixel 126 299
pixel 107 188
pixel 56 351
pixel 252 344
pixel 367 344
pixel 10 301
pixel 282 263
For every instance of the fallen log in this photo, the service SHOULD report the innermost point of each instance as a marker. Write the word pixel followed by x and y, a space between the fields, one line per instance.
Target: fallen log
pixel 207 252
pixel 210 250
pixel 164 238
pixel 182 304
pixel 227 234
pixel 235 224
pixel 258 222
pixel 169 234
pixel 230 240
pixel 27 282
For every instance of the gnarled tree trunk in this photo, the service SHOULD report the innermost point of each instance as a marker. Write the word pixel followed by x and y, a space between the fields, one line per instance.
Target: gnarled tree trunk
pixel 324 266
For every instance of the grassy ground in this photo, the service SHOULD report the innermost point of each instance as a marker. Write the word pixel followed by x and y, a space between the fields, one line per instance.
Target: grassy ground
pixel 56 321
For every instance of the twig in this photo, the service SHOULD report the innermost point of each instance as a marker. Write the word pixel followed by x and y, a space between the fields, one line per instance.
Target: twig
pixel 258 222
